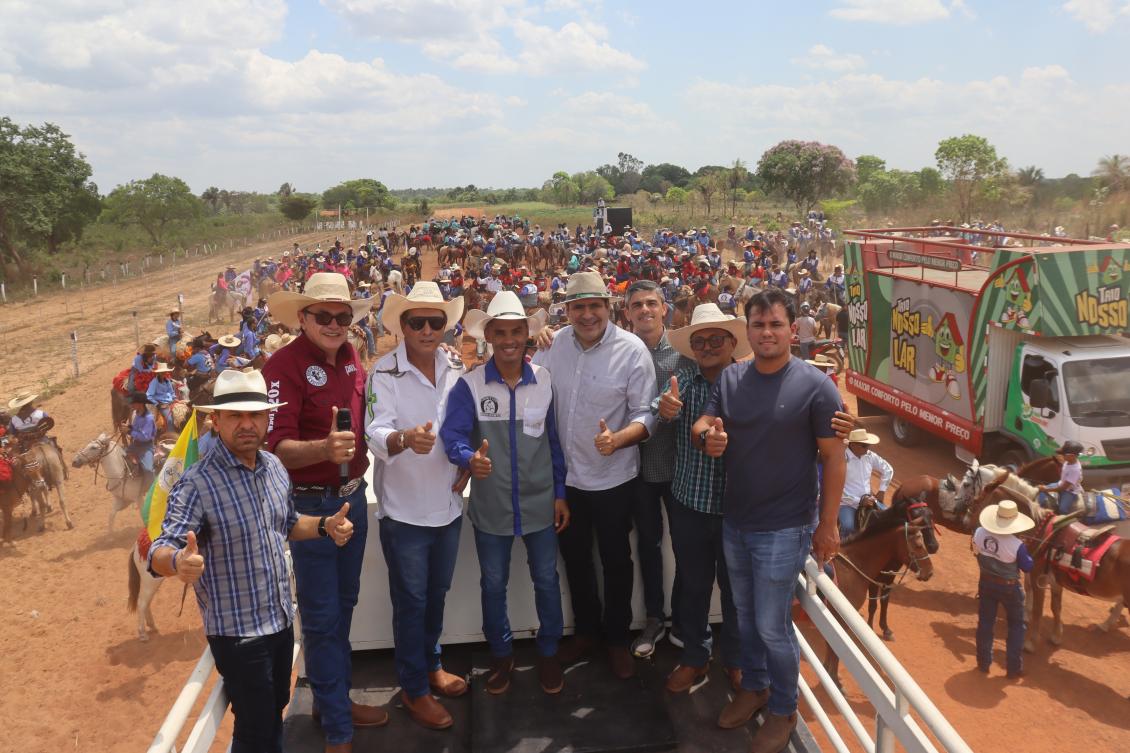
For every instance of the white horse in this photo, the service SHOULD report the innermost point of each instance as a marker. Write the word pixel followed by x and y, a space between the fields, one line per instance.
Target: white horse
pixel 126 487
pixel 142 588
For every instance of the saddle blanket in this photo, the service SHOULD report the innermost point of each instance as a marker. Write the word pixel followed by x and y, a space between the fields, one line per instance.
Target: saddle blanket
pixel 1098 506
pixel 1077 549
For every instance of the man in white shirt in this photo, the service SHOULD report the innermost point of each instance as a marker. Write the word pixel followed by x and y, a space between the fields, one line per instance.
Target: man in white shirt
pixel 862 464
pixel 421 506
pixel 603 385
pixel 806 331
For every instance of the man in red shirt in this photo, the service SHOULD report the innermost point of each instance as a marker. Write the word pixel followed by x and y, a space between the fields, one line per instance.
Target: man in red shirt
pixel 316 375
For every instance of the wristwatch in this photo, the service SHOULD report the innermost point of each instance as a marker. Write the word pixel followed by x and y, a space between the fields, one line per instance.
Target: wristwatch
pixel 322 527
pixel 402 440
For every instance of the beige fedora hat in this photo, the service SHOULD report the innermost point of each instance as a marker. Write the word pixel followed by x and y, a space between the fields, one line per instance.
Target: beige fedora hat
pixel 162 368
pixel 327 287
pixel 21 399
pixel 862 436
pixel 505 306
pixel 228 341
pixel 425 294
pixel 241 390
pixel 585 285
pixel 1004 519
pixel 709 316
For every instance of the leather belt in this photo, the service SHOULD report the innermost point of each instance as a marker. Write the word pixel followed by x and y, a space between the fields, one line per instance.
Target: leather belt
pixel 334 491
pixel 999 580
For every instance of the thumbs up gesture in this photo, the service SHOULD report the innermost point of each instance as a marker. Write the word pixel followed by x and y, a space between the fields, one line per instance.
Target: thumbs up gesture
pixel 605 441
pixel 669 402
pixel 189 563
pixel 716 439
pixel 339 526
pixel 420 439
pixel 480 462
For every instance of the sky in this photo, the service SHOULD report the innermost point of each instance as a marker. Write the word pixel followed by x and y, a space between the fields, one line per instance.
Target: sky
pixel 248 94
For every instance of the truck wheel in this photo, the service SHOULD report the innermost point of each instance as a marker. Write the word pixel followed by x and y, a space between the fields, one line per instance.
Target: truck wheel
pixel 904 432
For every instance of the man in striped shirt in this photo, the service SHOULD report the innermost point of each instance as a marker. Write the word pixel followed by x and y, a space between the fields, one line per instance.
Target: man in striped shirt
pixel 225 532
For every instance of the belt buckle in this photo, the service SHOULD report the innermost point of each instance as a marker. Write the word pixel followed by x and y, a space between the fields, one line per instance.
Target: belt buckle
pixel 349 488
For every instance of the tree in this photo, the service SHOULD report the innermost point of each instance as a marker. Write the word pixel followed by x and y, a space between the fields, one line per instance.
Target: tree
pixel 46 198
pixel 297 207
pixel 805 172
pixel 560 189
pixel 659 178
pixel 1030 176
pixel 709 185
pixel 591 186
pixel 867 165
pixel 1114 172
pixel 676 196
pixel 362 192
pixel 736 176
pixel 968 162
pixel 153 203
pixel 285 190
pixel 211 197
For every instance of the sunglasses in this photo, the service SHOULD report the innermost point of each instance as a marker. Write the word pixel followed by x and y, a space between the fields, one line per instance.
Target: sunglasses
pixel 714 341
pixel 324 318
pixel 416 323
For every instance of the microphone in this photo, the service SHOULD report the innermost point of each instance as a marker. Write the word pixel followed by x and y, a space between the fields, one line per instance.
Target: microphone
pixel 344 423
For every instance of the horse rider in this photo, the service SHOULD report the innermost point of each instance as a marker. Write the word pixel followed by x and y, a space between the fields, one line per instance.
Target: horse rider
pixel 224 353
pixel 200 364
pixel 30 424
pixel 1001 556
pixel 143 363
pixel 862 464
pixel 162 393
pixel 1070 486
pixel 142 431
pixel 173 330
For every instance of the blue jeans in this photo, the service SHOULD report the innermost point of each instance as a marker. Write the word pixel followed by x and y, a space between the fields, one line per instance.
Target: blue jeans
pixel 494 564
pixel 847 518
pixel 763 568
pixel 1012 599
pixel 696 538
pixel 421 562
pixel 370 342
pixel 328 579
pixel 256 674
pixel 143 453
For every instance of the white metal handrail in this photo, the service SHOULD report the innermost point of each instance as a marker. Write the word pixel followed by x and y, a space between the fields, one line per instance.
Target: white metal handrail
pixel 893 698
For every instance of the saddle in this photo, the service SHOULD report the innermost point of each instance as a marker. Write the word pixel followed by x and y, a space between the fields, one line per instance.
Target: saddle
pixel 1076 548
pixel 1096 507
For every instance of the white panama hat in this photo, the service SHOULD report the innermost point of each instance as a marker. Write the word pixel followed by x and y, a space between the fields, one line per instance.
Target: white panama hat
pixel 709 316
pixel 425 294
pixel 326 287
pixel 1005 519
pixel 505 306
pixel 241 391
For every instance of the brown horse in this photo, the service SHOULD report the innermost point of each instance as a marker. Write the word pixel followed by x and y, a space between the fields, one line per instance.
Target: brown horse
pixel 43 470
pixel 894 538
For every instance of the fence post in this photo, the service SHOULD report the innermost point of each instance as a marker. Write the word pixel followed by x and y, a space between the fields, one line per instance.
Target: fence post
pixel 74 350
pixel 3 292
pixel 136 330
pixel 64 280
pixel 35 285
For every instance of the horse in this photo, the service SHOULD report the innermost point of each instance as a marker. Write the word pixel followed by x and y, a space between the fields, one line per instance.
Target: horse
pixel 224 299
pixel 268 287
pixel 142 586
pixel 10 494
pixel 895 538
pixel 356 337
pixel 43 470
pixel 879 597
pixel 108 455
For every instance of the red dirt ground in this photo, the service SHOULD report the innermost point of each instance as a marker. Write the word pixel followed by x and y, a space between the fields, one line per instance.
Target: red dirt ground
pixel 75 678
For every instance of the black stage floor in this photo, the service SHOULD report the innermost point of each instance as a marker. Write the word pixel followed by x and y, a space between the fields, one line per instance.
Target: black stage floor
pixel 595 712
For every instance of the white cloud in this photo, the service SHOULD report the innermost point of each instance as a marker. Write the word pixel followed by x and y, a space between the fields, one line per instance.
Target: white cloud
pixel 822 57
pixel 898 12
pixel 1096 15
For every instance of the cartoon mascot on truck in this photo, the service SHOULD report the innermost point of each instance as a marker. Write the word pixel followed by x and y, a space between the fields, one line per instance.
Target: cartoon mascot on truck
pixel 950 349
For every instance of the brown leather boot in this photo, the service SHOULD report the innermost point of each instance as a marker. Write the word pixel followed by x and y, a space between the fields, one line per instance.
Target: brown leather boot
pixel 363 716
pixel 621 661
pixel 498 679
pixel 550 676
pixel 735 676
pixel 741 709
pixel 339 747
pixel 446 684
pixel 774 733
pixel 684 677
pixel 426 711
pixel 572 651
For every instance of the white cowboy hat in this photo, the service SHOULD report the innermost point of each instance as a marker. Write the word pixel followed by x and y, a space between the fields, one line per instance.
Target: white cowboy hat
pixel 821 362
pixel 162 368
pixel 228 341
pixel 21 399
pixel 276 341
pixel 1004 518
pixel 328 287
pixel 424 295
pixel 240 390
pixel 862 436
pixel 709 316
pixel 505 306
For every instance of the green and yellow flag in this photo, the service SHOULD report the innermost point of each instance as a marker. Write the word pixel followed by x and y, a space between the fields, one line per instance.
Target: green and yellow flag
pixel 184 453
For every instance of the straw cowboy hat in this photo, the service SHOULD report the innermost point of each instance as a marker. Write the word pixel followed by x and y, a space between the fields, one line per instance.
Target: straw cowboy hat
pixel 327 287
pixel 862 436
pixel 162 368
pixel 240 390
pixel 228 341
pixel 821 362
pixel 585 285
pixel 21 399
pixel 424 295
pixel 1004 519
pixel 505 306
pixel 275 341
pixel 709 316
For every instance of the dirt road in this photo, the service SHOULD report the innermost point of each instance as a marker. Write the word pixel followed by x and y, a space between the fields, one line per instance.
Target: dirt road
pixel 74 677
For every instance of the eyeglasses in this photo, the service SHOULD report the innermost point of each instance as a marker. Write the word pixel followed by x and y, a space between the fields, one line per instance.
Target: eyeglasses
pixel 714 341
pixel 416 323
pixel 324 318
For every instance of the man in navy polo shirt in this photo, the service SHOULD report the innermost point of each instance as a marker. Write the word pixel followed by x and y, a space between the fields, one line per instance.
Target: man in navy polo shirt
pixel 771 419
